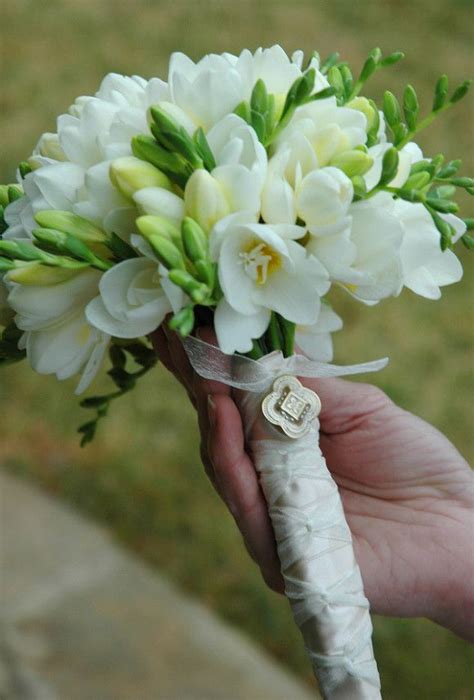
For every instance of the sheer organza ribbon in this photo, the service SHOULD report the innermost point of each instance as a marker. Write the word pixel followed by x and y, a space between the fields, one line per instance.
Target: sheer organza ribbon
pixel 251 375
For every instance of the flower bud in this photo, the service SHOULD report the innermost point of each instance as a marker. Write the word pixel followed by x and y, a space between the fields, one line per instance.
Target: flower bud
pixel 151 225
pixel 195 240
pixel 353 162
pixel 196 290
pixel 323 197
pixel 39 275
pixel 49 147
pixel 159 239
pixel 74 225
pixel 129 174
pixel 362 104
pixel 204 200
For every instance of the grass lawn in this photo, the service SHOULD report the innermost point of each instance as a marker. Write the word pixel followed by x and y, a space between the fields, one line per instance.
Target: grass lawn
pixel 142 477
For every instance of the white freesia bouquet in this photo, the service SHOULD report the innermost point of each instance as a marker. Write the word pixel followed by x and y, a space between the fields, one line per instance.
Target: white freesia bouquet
pixel 236 195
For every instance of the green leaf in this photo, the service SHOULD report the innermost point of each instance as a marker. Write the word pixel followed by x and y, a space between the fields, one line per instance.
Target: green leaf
pixel 259 97
pixel 243 111
pixel 120 248
pixel 204 149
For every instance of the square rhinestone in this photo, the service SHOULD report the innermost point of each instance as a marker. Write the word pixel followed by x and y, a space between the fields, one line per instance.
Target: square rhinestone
pixel 293 406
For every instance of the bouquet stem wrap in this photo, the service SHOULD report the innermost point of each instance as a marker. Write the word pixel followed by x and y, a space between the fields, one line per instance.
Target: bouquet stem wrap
pixel 322 579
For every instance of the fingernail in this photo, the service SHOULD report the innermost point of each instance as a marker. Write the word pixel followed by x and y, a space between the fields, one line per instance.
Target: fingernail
pixel 211 410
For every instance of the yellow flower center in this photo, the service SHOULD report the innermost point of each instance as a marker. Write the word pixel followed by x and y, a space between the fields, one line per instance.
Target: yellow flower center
pixel 260 261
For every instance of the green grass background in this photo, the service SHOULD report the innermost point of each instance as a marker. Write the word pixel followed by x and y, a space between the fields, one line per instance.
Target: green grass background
pixel 142 477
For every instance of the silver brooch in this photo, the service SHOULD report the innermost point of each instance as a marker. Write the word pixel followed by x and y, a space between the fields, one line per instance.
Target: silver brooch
pixel 291 406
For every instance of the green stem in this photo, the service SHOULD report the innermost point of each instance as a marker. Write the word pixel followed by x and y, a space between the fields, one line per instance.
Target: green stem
pixel 288 329
pixel 422 125
pixel 273 334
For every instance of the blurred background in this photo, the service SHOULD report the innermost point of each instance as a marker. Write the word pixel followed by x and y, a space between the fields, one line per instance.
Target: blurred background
pixel 142 477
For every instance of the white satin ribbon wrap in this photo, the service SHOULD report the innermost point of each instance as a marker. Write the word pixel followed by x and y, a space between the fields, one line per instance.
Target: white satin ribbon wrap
pixel 322 579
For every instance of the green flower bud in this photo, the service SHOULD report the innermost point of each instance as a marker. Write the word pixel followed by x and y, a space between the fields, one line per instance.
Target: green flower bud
pixel 204 200
pixel 441 92
pixel 39 275
pixel 151 224
pixel 389 166
pixel 206 272
pixel 129 174
pixel 460 91
pixel 183 321
pixel 147 149
pixel 411 107
pixel 393 58
pixel 463 181
pixel 4 198
pixel 391 109
pixel 445 206
pixel 335 79
pixel 70 223
pixel 369 67
pixel 194 240
pixel 14 192
pixel 198 291
pixel 371 113
pixel 417 181
pixel 165 250
pixel 353 162
pixel 6 264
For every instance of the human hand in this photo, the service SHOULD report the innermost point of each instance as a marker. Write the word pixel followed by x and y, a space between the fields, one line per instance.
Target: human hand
pixel 407 492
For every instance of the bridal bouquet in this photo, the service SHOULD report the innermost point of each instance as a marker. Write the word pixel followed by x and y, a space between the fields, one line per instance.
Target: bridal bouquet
pixel 236 195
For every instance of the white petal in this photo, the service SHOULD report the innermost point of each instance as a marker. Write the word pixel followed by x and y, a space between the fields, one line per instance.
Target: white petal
pixel 236 331
pixel 160 202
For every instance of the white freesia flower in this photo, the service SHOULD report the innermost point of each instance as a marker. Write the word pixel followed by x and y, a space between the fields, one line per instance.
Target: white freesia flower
pixel 318 132
pixel 323 198
pixel 208 90
pixel 316 341
pixel 132 300
pixel 54 186
pixel 57 336
pixel 98 198
pixel 261 269
pixel 425 266
pixel 101 127
pixel 365 255
pixel 235 184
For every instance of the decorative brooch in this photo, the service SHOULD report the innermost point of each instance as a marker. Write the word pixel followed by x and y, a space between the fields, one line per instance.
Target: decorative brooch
pixel 291 406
